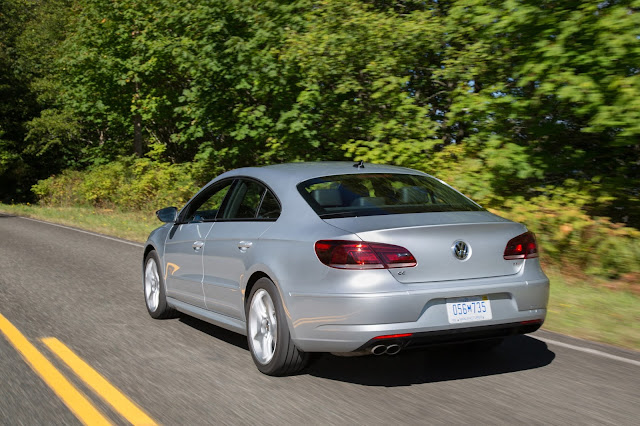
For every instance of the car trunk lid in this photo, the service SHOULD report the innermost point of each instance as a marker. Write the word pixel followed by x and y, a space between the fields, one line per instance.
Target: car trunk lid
pixel 431 238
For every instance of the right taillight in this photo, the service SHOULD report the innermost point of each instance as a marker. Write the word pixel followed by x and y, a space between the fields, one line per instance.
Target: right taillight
pixel 523 246
pixel 363 255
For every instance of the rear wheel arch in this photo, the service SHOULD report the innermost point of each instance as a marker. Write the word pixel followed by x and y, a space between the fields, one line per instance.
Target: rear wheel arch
pixel 251 282
pixel 255 276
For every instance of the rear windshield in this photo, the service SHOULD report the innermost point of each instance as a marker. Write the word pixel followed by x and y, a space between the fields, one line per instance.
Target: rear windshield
pixel 381 194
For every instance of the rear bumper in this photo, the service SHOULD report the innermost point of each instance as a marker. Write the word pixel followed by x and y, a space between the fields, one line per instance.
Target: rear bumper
pixel 444 337
pixel 350 322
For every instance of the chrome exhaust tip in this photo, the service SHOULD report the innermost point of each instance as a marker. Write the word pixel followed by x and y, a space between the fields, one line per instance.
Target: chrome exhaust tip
pixel 393 349
pixel 379 350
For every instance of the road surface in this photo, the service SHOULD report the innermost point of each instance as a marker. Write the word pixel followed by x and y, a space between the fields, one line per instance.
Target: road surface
pixel 83 293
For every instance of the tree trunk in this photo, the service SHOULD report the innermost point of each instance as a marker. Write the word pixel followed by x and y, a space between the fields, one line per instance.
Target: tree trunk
pixel 137 134
pixel 137 125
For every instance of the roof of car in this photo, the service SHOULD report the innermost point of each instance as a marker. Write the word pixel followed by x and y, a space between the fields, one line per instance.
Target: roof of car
pixel 309 170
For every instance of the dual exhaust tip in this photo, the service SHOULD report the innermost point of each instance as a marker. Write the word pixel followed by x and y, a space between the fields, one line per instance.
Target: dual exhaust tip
pixel 386 349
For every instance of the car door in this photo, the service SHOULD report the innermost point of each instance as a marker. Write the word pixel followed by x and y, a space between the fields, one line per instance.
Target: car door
pixel 185 242
pixel 232 243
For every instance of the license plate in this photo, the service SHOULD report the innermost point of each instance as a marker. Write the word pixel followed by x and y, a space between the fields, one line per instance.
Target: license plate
pixel 468 309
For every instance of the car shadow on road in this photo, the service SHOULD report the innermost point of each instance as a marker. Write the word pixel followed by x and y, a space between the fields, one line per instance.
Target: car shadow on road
pixel 216 332
pixel 435 364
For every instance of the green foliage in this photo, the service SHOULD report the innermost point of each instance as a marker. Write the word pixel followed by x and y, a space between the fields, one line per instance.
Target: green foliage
pixel 537 86
pixel 127 184
pixel 32 146
pixel 594 312
pixel 571 238
pixel 60 190
pixel 362 75
pixel 17 103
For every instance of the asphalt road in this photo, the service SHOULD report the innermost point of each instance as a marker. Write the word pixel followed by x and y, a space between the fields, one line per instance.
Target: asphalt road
pixel 86 291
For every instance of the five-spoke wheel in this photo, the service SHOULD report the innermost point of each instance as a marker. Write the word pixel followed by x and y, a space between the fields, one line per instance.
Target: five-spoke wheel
pixel 263 326
pixel 270 343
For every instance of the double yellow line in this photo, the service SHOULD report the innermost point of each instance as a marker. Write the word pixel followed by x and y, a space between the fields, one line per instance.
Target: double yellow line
pixel 77 402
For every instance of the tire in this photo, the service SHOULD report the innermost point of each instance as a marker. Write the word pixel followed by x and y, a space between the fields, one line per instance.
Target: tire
pixel 154 290
pixel 268 336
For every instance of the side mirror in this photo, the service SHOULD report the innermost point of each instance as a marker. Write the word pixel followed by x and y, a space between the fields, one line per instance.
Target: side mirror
pixel 168 214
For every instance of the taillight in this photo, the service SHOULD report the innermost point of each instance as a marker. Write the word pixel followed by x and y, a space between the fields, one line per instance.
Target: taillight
pixel 362 255
pixel 523 246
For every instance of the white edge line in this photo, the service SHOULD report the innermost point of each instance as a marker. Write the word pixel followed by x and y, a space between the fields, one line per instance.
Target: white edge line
pixel 95 234
pixel 589 351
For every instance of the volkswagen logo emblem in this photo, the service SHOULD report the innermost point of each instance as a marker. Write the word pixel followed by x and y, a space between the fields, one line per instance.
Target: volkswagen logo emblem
pixel 461 250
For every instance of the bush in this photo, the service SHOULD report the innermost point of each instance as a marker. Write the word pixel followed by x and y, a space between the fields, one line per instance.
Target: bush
pixel 131 184
pixel 568 236
pixel 61 190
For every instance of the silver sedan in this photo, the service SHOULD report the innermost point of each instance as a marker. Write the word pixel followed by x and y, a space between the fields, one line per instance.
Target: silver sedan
pixel 344 258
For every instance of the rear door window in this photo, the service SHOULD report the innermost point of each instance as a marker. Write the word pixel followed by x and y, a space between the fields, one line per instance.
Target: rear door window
pixel 251 200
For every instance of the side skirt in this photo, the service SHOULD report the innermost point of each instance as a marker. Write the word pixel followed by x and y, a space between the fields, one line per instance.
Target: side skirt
pixel 220 320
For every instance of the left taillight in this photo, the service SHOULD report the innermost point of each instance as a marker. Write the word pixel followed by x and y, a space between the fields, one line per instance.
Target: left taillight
pixel 363 255
pixel 524 246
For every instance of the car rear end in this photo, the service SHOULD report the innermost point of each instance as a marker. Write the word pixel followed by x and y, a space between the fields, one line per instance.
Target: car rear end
pixel 421 266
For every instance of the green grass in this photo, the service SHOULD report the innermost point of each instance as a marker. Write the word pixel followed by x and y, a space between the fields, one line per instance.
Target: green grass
pixel 593 313
pixel 134 226
pixel 589 311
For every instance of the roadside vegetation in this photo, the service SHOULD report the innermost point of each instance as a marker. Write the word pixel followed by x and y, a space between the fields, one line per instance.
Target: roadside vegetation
pixel 132 226
pixel 593 310
pixel 112 110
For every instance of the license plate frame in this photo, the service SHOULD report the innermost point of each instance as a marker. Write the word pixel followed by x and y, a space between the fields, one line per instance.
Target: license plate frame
pixel 468 309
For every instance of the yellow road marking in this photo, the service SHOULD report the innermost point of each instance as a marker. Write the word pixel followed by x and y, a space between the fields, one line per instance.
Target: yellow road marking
pixel 72 397
pixel 123 405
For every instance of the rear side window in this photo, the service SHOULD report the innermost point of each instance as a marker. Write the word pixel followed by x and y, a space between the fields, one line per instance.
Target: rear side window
pixel 381 194
pixel 270 208
pixel 244 201
pixel 250 200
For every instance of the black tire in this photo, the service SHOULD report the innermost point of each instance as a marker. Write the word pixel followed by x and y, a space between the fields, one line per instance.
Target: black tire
pixel 161 310
pixel 287 359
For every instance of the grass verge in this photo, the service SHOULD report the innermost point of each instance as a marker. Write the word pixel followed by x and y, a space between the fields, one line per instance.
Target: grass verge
pixel 593 312
pixel 134 226
pixel 575 308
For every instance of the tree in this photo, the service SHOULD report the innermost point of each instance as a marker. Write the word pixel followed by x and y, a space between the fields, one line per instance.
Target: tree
pixel 548 95
pixel 18 101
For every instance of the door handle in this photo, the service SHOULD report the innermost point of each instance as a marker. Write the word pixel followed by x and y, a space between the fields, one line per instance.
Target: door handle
pixel 197 245
pixel 244 245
